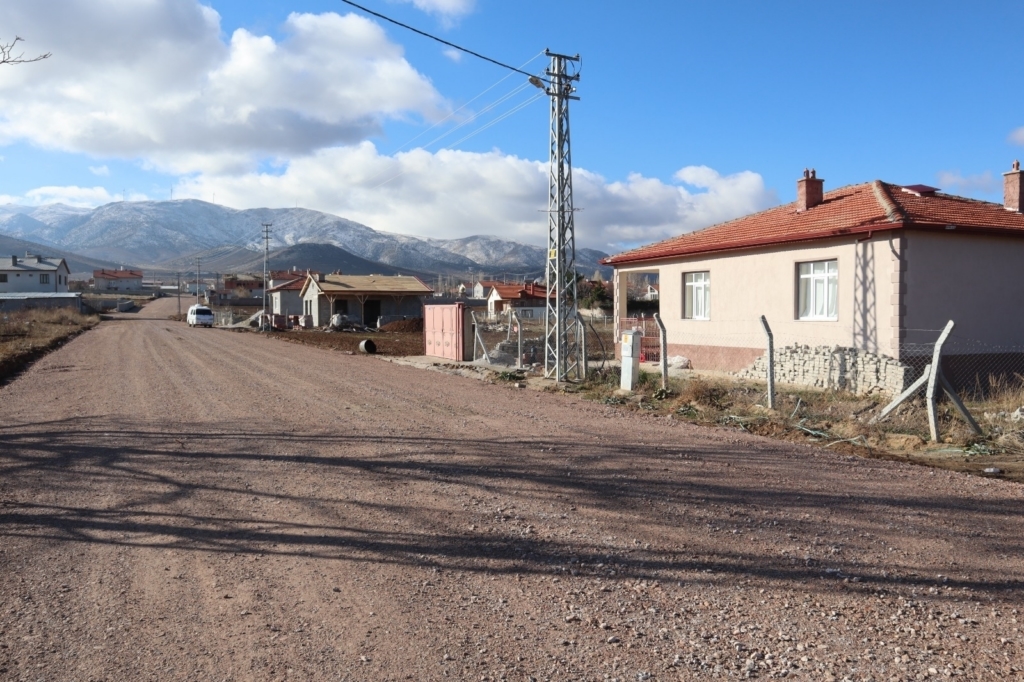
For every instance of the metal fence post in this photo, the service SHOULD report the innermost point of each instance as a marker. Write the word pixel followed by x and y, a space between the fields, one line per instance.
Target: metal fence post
pixel 663 337
pixel 933 417
pixel 771 362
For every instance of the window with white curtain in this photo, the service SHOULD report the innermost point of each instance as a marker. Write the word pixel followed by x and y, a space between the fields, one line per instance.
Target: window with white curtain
pixel 817 290
pixel 697 295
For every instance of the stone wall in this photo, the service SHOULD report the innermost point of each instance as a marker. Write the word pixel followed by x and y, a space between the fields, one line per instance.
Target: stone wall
pixel 834 367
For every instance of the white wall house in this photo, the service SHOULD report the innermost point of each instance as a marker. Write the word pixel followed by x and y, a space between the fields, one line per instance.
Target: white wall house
pixel 286 297
pixel 117 280
pixel 873 269
pixel 33 274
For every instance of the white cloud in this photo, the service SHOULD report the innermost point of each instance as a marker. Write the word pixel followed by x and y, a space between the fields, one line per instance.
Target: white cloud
pixel 444 8
pixel 169 90
pixel 87 197
pixel 173 95
pixel 452 54
pixel 953 182
pixel 99 170
pixel 454 194
pixel 1017 136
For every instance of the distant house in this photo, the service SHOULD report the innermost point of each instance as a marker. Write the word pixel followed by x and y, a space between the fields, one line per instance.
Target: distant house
pixel 873 269
pixel 651 293
pixel 483 289
pixel 362 298
pixel 286 296
pixel 529 300
pixel 117 280
pixel 33 274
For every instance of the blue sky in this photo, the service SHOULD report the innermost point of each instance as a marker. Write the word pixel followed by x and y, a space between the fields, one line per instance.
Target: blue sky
pixel 690 113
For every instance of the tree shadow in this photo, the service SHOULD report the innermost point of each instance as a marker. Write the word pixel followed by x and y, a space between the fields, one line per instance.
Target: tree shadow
pixel 220 488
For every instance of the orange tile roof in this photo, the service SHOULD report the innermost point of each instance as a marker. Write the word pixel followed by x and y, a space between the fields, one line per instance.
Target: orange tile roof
pixel 293 285
pixel 856 209
pixel 519 291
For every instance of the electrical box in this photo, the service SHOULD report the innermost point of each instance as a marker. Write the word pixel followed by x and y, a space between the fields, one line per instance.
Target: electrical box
pixel 630 343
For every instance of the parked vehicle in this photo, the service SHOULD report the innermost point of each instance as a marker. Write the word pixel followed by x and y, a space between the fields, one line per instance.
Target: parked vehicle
pixel 199 315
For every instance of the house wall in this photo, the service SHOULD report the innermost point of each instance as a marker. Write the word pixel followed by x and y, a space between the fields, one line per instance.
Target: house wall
pixel 104 284
pixel 751 283
pixel 287 302
pixel 975 280
pixel 20 281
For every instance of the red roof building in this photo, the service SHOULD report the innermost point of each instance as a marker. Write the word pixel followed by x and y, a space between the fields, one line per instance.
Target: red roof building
pixel 117 280
pixel 877 267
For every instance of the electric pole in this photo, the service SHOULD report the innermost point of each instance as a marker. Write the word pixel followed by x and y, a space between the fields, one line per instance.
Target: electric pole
pixel 179 293
pixel 197 280
pixel 562 359
pixel 266 259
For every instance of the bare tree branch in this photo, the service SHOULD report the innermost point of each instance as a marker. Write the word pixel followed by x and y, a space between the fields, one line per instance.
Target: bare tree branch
pixel 7 55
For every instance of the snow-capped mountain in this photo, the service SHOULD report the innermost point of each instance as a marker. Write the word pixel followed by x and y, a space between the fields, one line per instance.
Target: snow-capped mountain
pixel 149 233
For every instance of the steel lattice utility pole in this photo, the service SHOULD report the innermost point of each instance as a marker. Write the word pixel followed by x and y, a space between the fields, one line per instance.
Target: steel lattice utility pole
pixel 562 359
pixel 266 258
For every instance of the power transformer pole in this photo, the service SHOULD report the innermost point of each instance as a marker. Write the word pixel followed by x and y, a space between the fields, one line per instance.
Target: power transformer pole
pixel 562 358
pixel 266 259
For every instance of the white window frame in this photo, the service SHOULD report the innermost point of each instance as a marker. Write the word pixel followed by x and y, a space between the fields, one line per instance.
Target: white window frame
pixel 817 290
pixel 44 278
pixel 697 295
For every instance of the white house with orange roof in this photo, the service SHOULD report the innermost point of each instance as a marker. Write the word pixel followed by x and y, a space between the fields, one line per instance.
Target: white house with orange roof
pixel 875 267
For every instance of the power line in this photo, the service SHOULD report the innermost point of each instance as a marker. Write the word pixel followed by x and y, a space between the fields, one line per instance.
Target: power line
pixel 442 40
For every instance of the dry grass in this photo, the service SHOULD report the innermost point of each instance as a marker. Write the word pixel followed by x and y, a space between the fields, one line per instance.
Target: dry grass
pixel 838 420
pixel 27 334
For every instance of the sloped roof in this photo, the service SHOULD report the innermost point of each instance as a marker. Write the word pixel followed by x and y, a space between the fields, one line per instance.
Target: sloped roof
pixel 293 285
pixel 397 285
pixel 854 209
pixel 517 291
pixel 31 263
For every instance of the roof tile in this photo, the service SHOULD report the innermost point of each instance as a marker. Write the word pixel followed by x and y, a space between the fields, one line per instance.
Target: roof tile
pixel 853 209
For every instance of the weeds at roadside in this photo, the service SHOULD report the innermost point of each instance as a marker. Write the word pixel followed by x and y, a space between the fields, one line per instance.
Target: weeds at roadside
pixel 27 334
pixel 838 420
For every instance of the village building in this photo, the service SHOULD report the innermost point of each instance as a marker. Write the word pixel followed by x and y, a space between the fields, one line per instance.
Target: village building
pixel 33 274
pixel 528 300
pixel 35 282
pixel 482 289
pixel 872 271
pixel 366 299
pixel 286 296
pixel 117 280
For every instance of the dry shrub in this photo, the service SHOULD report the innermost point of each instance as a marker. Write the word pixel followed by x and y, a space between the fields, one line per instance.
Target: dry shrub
pixel 700 391
pixel 26 331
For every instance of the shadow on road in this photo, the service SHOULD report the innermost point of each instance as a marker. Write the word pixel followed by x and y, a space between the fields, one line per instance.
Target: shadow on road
pixel 507 505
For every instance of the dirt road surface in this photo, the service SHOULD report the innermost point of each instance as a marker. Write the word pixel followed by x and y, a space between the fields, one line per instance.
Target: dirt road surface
pixel 193 504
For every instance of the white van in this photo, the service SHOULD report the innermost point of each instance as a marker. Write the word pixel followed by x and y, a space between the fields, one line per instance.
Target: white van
pixel 199 315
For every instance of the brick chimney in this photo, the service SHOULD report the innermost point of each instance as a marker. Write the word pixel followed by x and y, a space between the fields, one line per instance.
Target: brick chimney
pixel 809 191
pixel 1013 189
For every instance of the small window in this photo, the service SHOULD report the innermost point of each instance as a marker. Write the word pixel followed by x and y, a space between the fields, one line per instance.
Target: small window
pixel 44 279
pixel 818 290
pixel 697 296
pixel 3 277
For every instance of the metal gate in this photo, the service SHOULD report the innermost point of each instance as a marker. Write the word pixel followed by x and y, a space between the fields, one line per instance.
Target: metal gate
pixel 650 336
pixel 444 331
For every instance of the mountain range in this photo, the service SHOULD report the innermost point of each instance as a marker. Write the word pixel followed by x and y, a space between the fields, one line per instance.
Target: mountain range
pixel 168 235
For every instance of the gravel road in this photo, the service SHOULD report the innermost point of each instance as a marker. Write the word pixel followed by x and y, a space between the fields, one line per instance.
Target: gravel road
pixel 194 504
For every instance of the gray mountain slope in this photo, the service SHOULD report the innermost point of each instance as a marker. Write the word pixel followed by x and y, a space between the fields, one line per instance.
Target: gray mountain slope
pixel 149 233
